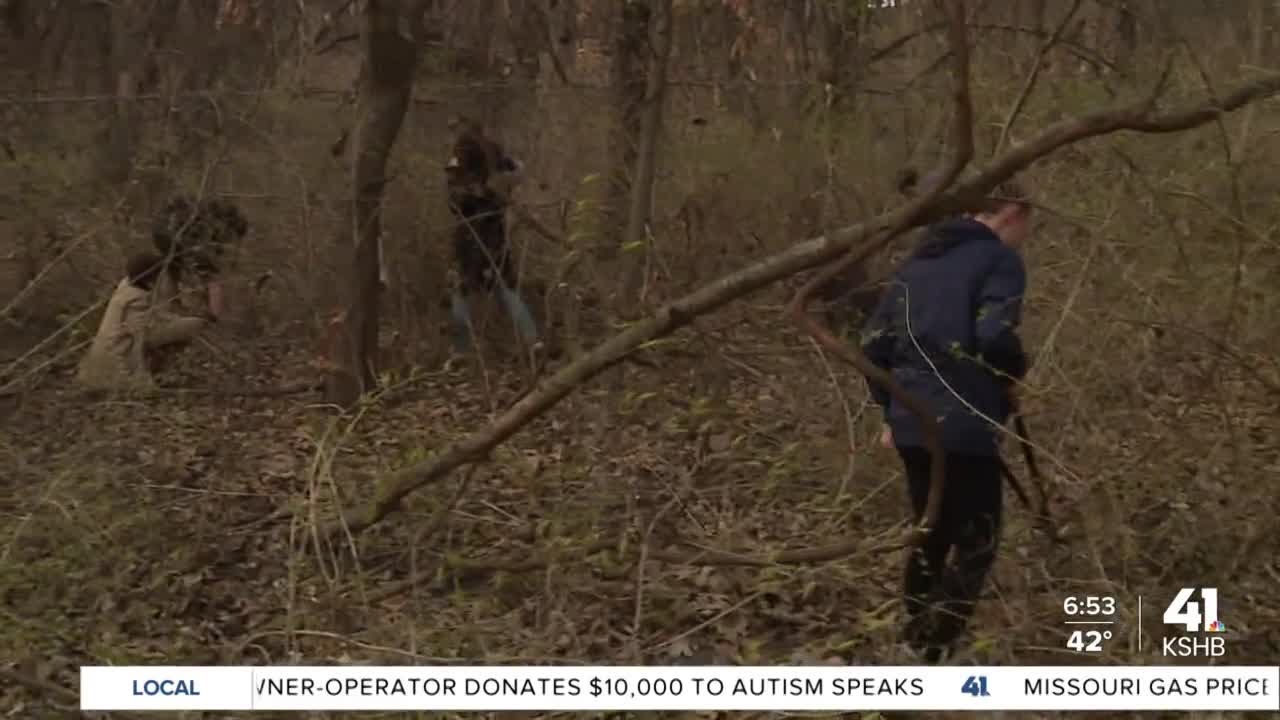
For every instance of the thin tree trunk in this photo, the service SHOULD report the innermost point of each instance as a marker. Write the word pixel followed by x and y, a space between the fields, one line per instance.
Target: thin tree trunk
pixel 558 26
pixel 628 82
pixel 390 59
pixel 646 161
pixel 132 68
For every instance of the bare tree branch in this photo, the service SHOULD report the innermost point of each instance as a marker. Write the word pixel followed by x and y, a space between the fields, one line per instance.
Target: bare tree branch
pixel 962 127
pixel 1033 76
pixel 549 44
pixel 1083 53
pixel 899 42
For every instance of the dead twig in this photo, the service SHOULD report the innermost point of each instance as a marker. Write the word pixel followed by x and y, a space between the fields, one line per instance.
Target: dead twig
pixel 1040 512
pixel 294 388
pixel 1249 365
pixel 1033 76
pixel 437 522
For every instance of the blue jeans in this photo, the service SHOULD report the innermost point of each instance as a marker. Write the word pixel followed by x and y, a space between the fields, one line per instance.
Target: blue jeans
pixel 460 314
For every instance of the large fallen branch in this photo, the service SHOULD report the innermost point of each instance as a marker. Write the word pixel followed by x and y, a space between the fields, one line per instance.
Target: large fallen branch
pixel 858 241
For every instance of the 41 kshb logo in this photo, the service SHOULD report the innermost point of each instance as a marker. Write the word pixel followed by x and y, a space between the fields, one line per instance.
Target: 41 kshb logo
pixel 1195 617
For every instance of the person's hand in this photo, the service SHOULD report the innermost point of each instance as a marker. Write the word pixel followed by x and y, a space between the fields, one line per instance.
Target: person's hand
pixel 886 438
pixel 216 298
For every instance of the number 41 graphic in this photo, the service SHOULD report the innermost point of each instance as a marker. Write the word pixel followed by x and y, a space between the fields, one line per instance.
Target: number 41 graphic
pixel 975 686
pixel 1187 613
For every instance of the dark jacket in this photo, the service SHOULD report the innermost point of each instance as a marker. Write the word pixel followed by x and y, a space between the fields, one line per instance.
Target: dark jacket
pixel 964 290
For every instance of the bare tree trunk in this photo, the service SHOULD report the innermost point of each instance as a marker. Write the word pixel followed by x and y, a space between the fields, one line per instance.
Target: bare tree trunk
pixel 651 125
pixel 558 25
pixel 1125 28
pixel 628 82
pixel 132 68
pixel 390 59
pixel 527 26
pixel 567 32
pixel 794 40
pixel 840 26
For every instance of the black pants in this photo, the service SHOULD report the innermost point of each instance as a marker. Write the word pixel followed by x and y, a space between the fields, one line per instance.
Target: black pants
pixel 969 522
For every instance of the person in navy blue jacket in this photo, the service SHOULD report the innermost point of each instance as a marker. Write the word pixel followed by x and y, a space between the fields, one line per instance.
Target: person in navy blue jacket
pixel 946 328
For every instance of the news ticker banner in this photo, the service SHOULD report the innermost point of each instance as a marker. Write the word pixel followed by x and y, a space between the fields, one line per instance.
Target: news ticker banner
pixel 732 688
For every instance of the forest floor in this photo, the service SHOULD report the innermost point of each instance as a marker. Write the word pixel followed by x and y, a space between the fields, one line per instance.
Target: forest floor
pixel 135 532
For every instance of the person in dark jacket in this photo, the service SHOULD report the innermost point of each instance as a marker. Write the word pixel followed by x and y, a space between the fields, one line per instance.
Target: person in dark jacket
pixel 480 178
pixel 946 328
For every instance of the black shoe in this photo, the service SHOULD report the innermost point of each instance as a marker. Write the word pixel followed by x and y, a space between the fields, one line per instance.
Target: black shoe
pixel 920 635
pixel 933 654
pixel 916 631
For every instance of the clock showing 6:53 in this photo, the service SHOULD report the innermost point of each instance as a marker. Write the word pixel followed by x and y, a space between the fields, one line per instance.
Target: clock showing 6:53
pixel 1089 605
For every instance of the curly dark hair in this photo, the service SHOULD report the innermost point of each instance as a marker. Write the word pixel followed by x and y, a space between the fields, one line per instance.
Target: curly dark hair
pixel 194 234
pixel 227 218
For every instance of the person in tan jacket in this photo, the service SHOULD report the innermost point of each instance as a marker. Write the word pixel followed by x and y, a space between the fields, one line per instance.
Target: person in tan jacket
pixel 133 328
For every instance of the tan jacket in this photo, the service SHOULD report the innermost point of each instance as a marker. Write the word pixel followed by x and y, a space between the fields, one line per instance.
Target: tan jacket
pixel 130 326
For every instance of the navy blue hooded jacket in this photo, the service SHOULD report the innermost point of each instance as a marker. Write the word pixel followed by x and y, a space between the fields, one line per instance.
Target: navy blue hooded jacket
pixel 957 301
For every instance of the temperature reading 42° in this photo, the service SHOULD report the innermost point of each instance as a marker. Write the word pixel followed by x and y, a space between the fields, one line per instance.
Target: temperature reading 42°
pixel 1087 640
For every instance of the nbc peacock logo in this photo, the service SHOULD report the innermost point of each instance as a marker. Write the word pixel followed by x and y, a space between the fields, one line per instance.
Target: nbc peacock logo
pixel 1215 627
